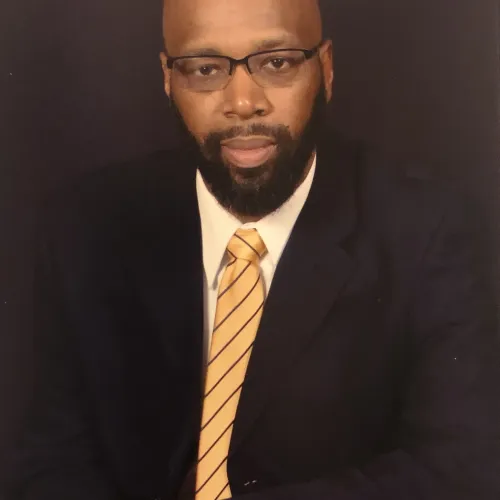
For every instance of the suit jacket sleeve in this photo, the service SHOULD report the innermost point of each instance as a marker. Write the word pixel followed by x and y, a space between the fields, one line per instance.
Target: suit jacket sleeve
pixel 56 458
pixel 447 443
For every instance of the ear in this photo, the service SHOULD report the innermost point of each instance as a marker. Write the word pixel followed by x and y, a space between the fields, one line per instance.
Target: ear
pixel 166 73
pixel 326 59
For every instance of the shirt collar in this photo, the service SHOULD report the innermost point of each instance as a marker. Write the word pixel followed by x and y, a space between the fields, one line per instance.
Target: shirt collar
pixel 218 225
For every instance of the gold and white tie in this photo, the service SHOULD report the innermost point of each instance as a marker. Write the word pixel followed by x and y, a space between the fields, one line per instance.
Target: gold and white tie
pixel 239 309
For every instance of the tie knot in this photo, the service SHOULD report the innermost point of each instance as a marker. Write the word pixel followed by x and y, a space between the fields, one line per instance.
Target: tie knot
pixel 247 244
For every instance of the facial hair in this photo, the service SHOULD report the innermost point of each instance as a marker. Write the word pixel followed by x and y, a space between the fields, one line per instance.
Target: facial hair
pixel 258 191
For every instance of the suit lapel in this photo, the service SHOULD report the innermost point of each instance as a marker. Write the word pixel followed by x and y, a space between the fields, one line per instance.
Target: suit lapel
pixel 311 273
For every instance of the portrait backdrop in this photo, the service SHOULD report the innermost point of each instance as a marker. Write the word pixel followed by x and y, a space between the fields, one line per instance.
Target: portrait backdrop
pixel 81 86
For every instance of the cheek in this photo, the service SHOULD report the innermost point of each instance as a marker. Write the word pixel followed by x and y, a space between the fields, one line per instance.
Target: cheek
pixel 293 107
pixel 197 112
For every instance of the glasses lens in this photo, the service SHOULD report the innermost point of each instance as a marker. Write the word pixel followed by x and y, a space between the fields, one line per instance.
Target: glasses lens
pixel 280 68
pixel 203 73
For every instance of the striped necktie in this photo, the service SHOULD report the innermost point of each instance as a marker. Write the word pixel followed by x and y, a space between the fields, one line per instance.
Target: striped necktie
pixel 239 309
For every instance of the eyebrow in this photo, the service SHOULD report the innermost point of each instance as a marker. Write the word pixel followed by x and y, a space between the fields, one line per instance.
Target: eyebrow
pixel 260 45
pixel 275 43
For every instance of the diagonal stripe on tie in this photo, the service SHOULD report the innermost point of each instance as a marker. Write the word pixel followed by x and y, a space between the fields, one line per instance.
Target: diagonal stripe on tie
pixel 212 475
pixel 235 280
pixel 221 407
pixel 248 244
pixel 216 441
pixel 229 369
pixel 222 491
pixel 237 305
pixel 216 356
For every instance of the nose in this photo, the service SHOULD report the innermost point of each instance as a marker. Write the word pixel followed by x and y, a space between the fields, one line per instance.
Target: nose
pixel 243 98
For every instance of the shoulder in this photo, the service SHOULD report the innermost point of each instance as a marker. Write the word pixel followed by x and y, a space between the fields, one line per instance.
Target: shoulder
pixel 126 181
pixel 164 174
pixel 407 208
pixel 121 199
pixel 391 192
pixel 408 195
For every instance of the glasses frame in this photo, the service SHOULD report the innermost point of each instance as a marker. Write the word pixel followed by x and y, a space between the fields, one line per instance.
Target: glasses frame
pixel 234 63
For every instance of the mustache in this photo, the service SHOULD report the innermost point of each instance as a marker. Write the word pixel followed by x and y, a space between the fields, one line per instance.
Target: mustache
pixel 260 129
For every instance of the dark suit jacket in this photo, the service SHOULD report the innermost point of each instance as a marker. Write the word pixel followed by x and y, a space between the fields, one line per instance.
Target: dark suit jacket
pixel 374 374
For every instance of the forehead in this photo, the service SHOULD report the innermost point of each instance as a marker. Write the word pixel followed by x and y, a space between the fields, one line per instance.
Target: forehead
pixel 236 27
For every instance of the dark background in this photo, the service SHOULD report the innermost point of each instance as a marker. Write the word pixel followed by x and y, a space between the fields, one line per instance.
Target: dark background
pixel 81 85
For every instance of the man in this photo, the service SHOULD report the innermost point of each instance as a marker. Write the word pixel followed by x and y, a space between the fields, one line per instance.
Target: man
pixel 269 311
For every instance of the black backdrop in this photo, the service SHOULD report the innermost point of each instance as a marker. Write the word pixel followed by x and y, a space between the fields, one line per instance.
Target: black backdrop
pixel 80 85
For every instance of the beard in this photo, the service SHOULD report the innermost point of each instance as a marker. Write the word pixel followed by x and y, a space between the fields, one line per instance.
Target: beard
pixel 258 191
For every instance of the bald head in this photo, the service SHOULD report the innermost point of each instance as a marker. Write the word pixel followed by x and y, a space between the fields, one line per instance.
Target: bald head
pixel 239 25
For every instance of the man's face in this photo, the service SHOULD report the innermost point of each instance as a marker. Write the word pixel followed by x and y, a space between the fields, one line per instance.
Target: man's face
pixel 256 141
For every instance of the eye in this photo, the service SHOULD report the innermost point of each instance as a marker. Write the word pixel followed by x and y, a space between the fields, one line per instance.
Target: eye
pixel 207 70
pixel 200 68
pixel 277 63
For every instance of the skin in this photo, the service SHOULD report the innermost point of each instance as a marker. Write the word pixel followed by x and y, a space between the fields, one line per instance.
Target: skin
pixel 237 28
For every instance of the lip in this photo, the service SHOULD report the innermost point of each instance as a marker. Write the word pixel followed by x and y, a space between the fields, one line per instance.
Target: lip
pixel 248 153
pixel 248 143
pixel 248 158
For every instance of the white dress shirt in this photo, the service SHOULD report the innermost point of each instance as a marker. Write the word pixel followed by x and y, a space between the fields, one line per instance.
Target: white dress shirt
pixel 218 226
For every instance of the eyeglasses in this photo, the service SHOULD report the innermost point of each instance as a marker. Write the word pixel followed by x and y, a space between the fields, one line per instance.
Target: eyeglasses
pixel 270 68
